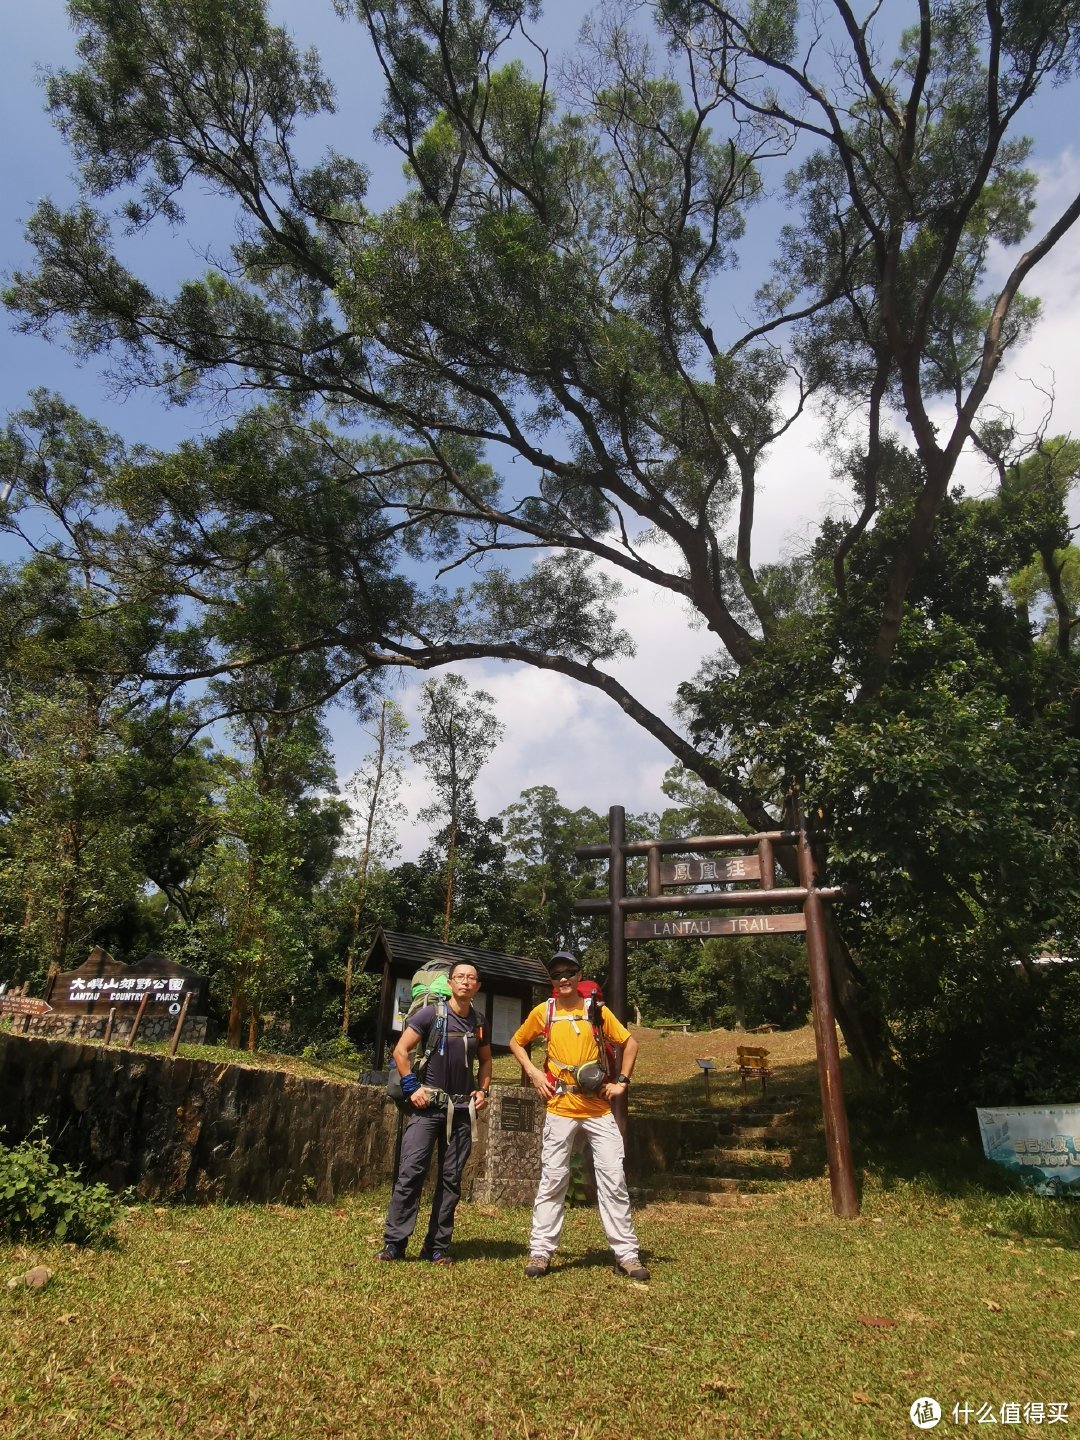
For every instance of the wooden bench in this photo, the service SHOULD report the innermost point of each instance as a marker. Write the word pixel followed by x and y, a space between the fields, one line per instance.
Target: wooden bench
pixel 753 1061
pixel 681 1027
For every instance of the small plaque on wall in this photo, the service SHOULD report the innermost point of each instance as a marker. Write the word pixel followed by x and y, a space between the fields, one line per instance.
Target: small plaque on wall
pixel 518 1114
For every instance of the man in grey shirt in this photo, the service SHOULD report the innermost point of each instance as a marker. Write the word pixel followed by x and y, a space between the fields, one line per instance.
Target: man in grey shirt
pixel 438 1123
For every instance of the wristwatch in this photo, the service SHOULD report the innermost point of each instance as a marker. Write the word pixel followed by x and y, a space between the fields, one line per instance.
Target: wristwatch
pixel 622 1080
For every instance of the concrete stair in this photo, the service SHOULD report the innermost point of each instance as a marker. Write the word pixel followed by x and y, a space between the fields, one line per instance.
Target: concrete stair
pixel 736 1162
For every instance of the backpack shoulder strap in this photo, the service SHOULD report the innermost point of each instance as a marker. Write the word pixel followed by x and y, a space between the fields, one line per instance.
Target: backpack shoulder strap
pixel 435 1039
pixel 605 1050
pixel 549 1015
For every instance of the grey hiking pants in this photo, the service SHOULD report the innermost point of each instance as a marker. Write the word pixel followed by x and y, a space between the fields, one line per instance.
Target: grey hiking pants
pixel 613 1198
pixel 424 1133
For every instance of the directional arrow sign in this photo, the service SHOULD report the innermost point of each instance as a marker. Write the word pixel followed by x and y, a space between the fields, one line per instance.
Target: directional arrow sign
pixel 23 1005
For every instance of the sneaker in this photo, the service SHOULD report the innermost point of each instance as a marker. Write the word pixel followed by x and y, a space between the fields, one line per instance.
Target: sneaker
pixel 537 1265
pixel 633 1269
pixel 436 1257
pixel 392 1250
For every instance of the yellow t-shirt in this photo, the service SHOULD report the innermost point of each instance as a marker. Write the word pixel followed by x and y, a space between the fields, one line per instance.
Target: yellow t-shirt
pixel 570 1043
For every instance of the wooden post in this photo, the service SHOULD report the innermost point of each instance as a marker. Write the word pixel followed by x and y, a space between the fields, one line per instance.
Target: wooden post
pixel 109 1023
pixel 670 920
pixel 767 862
pixel 384 1022
pixel 175 1041
pixel 654 870
pixel 837 1139
pixel 138 1019
pixel 616 978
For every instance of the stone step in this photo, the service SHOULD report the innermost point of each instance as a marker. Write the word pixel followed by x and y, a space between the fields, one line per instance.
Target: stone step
pixel 752 1156
pixel 763 1136
pixel 724 1122
pixel 716 1183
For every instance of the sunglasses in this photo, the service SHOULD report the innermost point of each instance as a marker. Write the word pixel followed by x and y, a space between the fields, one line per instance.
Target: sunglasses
pixel 562 975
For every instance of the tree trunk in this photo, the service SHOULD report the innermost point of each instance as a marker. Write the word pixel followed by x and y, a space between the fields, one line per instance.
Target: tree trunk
pixel 237 1013
pixel 448 908
pixel 365 861
pixel 864 1028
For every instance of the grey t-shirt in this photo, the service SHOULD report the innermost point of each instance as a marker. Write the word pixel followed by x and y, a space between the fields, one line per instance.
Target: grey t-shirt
pixel 465 1034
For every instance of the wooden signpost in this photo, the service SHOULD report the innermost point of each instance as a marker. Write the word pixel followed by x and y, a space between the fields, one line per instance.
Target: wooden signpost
pixel 23 1005
pixel 18 1002
pixel 744 861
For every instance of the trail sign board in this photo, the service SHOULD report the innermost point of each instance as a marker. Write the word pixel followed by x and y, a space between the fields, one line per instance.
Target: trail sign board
pixel 702 872
pixel 689 927
pixel 23 1005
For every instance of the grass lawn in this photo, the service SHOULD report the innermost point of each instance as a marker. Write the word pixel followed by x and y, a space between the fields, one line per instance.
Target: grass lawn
pixel 269 1322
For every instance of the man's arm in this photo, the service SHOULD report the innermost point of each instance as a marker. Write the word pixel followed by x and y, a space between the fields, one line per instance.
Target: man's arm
pixel 410 1038
pixel 483 1073
pixel 629 1060
pixel 537 1077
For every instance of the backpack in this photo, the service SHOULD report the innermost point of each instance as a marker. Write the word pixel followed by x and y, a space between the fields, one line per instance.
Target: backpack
pixel 589 1077
pixel 430 985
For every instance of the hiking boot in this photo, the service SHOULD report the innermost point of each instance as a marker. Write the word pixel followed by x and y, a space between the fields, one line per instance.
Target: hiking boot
pixel 633 1269
pixel 537 1265
pixel 436 1257
pixel 392 1250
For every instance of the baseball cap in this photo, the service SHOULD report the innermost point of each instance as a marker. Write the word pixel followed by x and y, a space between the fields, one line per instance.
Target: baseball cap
pixel 563 961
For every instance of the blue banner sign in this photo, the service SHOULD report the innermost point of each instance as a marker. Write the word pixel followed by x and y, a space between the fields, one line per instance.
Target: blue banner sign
pixel 1040 1144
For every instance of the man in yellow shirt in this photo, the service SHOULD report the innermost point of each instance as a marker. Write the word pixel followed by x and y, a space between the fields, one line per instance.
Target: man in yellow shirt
pixel 578 1099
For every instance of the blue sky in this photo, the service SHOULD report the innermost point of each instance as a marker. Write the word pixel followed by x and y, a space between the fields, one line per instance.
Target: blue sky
pixel 556 732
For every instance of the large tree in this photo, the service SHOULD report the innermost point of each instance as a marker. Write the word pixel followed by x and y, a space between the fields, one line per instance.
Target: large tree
pixel 372 795
pixel 534 348
pixel 459 733
pixel 541 836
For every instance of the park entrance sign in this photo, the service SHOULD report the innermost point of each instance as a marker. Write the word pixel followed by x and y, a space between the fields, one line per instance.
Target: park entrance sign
pixel 746 866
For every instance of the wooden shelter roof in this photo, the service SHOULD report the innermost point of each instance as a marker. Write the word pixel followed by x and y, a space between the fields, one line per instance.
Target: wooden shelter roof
pixel 407 953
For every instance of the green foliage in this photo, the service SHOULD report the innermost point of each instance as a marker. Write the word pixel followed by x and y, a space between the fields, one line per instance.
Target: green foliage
pixel 541 836
pixel 948 795
pixel 721 983
pixel 530 351
pixel 40 1199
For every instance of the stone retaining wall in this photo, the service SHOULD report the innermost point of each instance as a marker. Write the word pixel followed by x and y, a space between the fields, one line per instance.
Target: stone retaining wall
pixel 92 1027
pixel 193 1130
pixel 199 1131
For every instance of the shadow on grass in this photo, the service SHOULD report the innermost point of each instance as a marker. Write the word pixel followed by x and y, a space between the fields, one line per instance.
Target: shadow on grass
pixel 601 1260
pixel 483 1248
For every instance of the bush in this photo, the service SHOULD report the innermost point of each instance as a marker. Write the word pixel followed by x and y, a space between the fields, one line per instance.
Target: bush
pixel 40 1199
